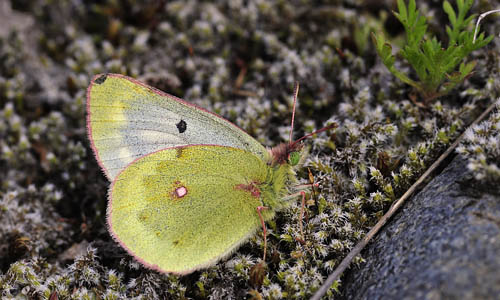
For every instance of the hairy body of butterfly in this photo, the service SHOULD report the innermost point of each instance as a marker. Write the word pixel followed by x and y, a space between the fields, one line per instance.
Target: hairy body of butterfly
pixel 186 183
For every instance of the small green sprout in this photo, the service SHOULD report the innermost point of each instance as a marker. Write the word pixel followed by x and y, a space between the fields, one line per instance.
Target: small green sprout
pixel 435 66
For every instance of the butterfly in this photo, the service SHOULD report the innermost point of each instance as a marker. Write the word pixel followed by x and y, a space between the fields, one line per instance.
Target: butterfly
pixel 188 187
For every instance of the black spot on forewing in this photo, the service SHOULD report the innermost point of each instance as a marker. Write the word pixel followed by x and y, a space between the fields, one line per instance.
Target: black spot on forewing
pixel 101 79
pixel 182 126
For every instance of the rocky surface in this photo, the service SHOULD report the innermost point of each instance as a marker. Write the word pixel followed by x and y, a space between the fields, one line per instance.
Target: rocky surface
pixel 443 244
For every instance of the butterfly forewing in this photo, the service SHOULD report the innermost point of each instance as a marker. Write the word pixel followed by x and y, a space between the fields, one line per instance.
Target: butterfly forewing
pixel 127 119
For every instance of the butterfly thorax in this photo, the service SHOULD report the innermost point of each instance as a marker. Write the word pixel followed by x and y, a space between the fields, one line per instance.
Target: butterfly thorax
pixel 280 176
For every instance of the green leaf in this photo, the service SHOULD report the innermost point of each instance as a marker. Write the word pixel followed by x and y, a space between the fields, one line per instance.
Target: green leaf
pixel 412 12
pixel 450 12
pixel 467 68
pixel 469 19
pixel 402 12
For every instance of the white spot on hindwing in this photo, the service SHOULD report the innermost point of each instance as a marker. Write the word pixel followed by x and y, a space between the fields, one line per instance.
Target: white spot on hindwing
pixel 180 191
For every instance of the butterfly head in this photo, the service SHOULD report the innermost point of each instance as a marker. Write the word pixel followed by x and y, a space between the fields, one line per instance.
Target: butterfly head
pixel 291 153
pixel 286 154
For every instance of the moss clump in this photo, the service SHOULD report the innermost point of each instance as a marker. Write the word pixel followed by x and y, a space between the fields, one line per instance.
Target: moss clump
pixel 481 147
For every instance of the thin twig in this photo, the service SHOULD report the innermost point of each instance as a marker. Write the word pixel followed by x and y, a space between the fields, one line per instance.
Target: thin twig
pixel 361 244
pixel 479 21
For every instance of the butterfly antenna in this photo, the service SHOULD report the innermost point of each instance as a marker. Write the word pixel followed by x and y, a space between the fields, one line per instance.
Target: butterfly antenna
pixel 313 133
pixel 293 110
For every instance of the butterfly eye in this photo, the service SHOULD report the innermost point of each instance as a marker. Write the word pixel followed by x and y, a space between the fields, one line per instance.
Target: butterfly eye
pixel 294 158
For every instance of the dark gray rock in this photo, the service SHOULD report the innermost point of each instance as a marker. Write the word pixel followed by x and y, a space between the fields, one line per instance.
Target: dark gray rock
pixel 443 244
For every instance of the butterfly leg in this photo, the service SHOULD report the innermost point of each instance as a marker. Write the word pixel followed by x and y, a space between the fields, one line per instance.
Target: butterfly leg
pixel 264 230
pixel 302 208
pixel 305 186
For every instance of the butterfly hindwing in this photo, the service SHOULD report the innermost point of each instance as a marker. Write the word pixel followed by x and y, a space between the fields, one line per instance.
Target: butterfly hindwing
pixel 127 119
pixel 184 208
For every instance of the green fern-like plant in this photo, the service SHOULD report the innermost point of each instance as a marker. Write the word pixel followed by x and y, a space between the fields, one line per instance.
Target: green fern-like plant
pixel 435 66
